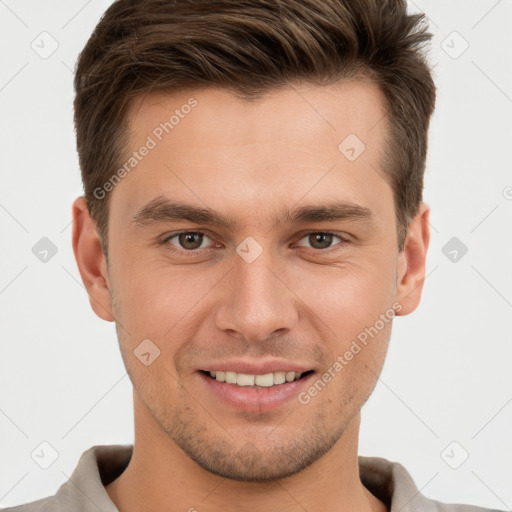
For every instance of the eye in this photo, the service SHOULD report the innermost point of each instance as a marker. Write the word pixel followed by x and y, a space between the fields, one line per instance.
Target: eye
pixel 188 240
pixel 192 241
pixel 322 240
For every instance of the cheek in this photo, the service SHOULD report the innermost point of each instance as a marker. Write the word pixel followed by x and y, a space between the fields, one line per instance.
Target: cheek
pixel 348 300
pixel 355 308
pixel 156 301
pixel 355 366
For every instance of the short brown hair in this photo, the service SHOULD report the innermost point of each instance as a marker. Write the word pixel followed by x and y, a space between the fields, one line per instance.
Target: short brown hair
pixel 251 47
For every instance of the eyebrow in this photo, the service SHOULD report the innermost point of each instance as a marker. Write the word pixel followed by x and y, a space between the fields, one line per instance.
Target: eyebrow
pixel 161 210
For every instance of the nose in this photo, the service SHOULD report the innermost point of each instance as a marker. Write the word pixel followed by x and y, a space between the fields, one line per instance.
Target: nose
pixel 256 301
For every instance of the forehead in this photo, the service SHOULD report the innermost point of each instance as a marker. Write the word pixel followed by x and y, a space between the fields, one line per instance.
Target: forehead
pixel 354 106
pixel 211 148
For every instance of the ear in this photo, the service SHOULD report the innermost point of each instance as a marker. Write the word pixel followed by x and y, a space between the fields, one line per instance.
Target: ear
pixel 412 262
pixel 91 260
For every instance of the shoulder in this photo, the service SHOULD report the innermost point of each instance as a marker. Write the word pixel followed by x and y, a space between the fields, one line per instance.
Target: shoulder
pixel 393 485
pixel 84 490
pixel 42 505
pixel 458 507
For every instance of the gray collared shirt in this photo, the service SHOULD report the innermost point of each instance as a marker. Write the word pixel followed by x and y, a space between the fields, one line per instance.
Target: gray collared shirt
pixel 100 465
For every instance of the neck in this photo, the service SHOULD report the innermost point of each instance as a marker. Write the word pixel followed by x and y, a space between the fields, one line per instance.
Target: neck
pixel 161 477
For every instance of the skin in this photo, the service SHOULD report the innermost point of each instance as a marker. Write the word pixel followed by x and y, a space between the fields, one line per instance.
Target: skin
pixel 296 301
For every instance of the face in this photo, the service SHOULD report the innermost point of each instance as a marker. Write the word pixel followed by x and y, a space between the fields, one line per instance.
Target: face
pixel 245 241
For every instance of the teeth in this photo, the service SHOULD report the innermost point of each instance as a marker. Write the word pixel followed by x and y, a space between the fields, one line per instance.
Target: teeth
pixel 245 380
pixel 279 377
pixel 265 381
pixel 231 377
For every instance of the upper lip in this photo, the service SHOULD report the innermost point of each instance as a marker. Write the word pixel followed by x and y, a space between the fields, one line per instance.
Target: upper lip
pixel 256 367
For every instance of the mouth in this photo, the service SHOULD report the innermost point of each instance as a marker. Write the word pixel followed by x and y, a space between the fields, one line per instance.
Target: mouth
pixel 256 386
pixel 267 380
pixel 256 393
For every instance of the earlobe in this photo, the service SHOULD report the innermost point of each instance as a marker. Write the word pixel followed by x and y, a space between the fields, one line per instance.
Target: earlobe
pixel 91 260
pixel 411 273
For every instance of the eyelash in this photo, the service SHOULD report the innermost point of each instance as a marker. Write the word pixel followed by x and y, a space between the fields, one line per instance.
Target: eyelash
pixel 343 242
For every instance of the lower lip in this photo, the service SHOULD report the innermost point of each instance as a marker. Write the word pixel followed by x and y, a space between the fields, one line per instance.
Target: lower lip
pixel 257 400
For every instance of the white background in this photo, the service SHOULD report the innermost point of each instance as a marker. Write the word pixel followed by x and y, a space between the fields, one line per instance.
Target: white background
pixel 448 373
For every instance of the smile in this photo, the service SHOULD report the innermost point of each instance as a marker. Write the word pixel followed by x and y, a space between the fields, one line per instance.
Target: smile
pixel 266 380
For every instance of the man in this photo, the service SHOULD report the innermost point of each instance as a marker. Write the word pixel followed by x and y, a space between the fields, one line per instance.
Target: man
pixel 252 223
